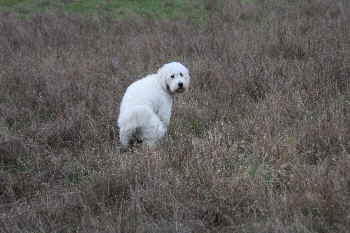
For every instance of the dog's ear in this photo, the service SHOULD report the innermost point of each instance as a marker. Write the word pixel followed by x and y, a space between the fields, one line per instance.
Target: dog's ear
pixel 162 76
pixel 160 73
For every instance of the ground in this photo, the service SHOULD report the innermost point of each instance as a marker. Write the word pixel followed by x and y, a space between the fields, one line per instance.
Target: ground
pixel 196 9
pixel 260 143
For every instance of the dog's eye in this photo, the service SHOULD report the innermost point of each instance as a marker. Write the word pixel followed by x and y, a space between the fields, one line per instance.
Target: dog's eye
pixel 172 76
pixel 181 74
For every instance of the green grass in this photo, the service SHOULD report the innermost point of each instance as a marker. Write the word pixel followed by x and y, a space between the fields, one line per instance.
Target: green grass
pixel 194 9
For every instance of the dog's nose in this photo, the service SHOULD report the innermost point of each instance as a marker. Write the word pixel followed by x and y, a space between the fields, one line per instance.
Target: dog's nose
pixel 181 85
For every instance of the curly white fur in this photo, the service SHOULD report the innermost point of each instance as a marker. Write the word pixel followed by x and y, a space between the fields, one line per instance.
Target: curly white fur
pixel 145 109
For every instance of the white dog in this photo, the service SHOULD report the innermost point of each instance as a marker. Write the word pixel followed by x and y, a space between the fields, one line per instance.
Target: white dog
pixel 145 109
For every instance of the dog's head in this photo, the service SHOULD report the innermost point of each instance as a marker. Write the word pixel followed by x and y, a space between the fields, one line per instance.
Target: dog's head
pixel 175 77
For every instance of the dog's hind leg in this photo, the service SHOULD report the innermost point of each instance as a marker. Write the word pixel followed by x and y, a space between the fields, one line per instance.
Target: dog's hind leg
pixel 125 138
pixel 154 132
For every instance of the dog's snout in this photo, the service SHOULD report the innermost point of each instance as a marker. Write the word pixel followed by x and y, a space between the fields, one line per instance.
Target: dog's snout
pixel 181 85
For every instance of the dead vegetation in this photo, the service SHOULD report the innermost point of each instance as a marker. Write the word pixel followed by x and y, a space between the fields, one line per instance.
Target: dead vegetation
pixel 260 144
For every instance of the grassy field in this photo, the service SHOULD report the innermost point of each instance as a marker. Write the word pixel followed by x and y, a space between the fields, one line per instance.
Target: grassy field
pixel 194 9
pixel 261 143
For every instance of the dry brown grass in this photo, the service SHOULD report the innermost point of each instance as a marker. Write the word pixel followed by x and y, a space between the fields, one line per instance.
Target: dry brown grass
pixel 260 144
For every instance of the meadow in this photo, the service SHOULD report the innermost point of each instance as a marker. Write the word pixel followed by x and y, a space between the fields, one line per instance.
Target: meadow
pixel 196 9
pixel 260 143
